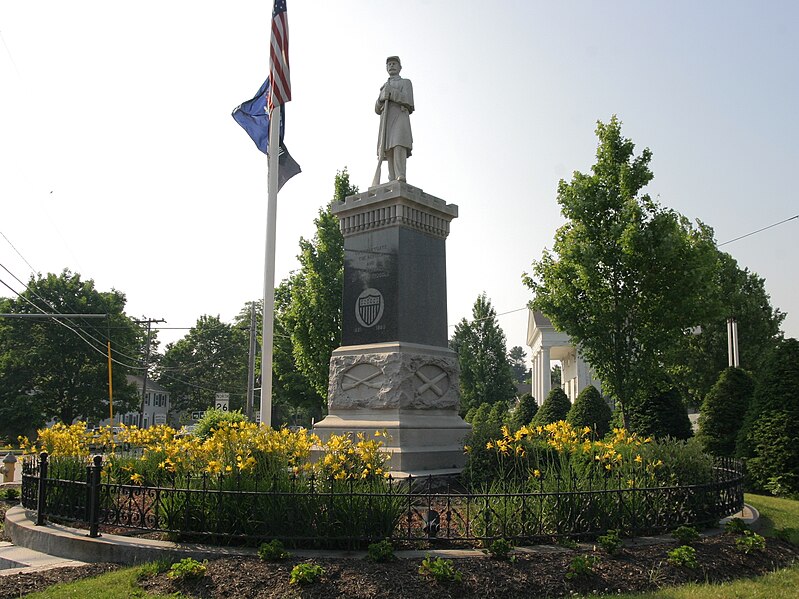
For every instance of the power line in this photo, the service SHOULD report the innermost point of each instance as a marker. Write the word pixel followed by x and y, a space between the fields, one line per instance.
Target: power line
pixel 759 230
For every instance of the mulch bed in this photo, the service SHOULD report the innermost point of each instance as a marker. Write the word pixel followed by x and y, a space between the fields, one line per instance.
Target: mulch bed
pixel 637 569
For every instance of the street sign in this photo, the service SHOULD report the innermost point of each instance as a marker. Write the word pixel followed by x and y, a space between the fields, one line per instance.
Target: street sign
pixel 159 419
pixel 222 401
pixel 258 416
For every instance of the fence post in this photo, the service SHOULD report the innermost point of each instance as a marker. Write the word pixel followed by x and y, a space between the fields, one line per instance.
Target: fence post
pixel 94 503
pixel 41 497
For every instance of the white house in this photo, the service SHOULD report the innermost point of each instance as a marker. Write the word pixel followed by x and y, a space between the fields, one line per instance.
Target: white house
pixel 548 344
pixel 156 405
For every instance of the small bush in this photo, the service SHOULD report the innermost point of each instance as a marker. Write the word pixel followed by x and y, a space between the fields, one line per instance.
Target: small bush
pixel 590 409
pixel 499 549
pixel 439 569
pixel 187 568
pixel 307 573
pixel 749 542
pixel 380 552
pixel 581 565
pixel 213 418
pixel 568 543
pixel 736 526
pixel 556 407
pixel 610 542
pixel 685 535
pixel 685 555
pixel 273 551
pixel 11 494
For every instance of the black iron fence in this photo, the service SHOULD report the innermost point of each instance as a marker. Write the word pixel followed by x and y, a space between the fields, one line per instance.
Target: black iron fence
pixel 310 511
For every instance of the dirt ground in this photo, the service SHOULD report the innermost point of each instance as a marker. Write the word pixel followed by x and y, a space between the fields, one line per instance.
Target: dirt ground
pixel 635 569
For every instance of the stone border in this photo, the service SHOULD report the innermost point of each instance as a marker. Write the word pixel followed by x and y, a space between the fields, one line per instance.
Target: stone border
pixel 75 544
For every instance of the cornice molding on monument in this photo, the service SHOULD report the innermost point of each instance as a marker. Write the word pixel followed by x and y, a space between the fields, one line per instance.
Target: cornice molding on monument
pixel 393 204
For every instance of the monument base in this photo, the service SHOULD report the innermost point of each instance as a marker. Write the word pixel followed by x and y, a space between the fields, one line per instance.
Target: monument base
pixel 408 390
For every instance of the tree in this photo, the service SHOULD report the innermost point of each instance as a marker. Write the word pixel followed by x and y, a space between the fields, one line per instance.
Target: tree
pixel 58 368
pixel 210 359
pixel 486 376
pixel 723 411
pixel 626 277
pixel 524 412
pixel 590 409
pixel 555 376
pixel 698 358
pixel 659 412
pixel 314 314
pixel 769 435
pixel 516 358
pixel 555 407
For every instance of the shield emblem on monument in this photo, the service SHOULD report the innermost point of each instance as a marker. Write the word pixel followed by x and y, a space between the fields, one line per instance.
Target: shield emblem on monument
pixel 369 307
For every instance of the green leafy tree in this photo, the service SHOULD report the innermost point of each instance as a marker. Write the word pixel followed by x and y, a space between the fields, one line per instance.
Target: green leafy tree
pixel 697 359
pixel 723 411
pixel 524 412
pixel 486 375
pixel 212 358
pixel 58 368
pixel 314 314
pixel 769 436
pixel 555 376
pixel 626 277
pixel 555 407
pixel 660 412
pixel 516 358
pixel 590 409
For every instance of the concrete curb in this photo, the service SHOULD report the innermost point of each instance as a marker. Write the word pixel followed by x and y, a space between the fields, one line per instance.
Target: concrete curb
pixel 74 544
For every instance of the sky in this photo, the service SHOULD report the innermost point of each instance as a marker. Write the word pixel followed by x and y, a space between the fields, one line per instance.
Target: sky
pixel 119 159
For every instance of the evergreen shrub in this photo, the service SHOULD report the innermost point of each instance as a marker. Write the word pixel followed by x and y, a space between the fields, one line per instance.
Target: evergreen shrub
pixel 555 407
pixel 723 411
pixel 590 409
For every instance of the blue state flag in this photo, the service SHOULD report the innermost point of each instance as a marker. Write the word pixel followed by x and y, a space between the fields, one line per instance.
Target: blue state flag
pixel 253 117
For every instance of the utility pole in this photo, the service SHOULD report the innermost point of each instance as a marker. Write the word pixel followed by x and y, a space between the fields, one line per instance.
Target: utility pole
pixel 251 364
pixel 149 322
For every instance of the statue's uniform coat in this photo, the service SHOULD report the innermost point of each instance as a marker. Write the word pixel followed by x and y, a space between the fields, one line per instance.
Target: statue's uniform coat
pixel 398 122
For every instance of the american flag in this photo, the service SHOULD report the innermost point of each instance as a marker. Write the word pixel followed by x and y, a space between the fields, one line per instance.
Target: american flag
pixel 279 57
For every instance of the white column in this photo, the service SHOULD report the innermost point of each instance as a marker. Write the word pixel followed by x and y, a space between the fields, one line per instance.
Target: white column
pixel 546 368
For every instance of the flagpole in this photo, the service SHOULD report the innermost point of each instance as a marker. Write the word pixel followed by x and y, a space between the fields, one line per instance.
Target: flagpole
pixel 267 337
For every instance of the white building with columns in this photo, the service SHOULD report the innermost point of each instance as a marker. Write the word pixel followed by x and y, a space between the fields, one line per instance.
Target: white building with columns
pixel 548 344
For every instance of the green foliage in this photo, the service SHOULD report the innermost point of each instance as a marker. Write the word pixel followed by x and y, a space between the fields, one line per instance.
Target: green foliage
pixel 50 370
pixel 590 409
pixel 516 359
pixel 626 277
pixel 723 411
pixel 10 494
pixel 273 551
pixel 211 358
pixel 685 535
pixel 306 573
pixel 481 463
pixel 610 542
pixel 524 412
pixel 696 360
pixel 439 569
pixel 750 542
pixel 213 419
pixel 499 549
pixel 313 317
pixel 380 552
pixel 187 568
pixel 769 435
pixel 736 526
pixel 151 569
pixel 581 566
pixel 659 412
pixel 555 407
pixel 685 555
pixel 485 374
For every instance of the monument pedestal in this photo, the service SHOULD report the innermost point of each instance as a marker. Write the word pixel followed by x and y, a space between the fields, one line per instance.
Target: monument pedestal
pixel 394 371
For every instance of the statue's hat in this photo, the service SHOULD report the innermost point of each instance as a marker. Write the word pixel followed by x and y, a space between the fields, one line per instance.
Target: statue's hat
pixel 396 58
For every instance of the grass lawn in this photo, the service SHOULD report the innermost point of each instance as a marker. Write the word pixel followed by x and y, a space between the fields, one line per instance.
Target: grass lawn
pixel 775 514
